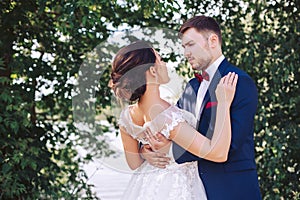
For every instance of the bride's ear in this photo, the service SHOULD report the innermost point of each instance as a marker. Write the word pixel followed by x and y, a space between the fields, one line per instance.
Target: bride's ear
pixel 152 76
pixel 152 71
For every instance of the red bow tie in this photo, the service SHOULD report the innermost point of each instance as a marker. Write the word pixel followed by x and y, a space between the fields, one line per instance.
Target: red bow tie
pixel 201 77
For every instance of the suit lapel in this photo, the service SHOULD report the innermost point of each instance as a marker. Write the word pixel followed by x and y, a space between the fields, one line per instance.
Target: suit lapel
pixel 195 85
pixel 210 93
pixel 188 102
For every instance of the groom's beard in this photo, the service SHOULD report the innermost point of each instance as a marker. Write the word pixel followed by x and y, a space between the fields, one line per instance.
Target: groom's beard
pixel 200 66
pixel 201 63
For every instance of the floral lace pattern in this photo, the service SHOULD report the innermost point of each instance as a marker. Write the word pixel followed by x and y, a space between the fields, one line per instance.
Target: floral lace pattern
pixel 164 122
pixel 176 181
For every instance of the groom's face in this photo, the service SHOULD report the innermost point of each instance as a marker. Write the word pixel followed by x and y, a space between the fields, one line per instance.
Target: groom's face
pixel 196 49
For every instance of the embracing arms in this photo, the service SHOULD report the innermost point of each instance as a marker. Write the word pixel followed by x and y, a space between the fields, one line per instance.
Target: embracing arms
pixel 187 137
pixel 215 149
pixel 242 112
pixel 132 154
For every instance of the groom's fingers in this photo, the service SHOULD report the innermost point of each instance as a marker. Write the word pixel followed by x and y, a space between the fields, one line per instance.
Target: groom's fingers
pixel 161 165
pixel 149 135
pixel 161 137
pixel 153 141
pixel 161 161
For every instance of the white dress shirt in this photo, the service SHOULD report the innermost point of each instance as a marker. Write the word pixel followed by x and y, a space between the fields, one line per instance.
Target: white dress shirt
pixel 211 70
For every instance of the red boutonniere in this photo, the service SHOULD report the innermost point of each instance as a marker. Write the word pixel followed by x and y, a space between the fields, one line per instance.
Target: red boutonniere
pixel 211 104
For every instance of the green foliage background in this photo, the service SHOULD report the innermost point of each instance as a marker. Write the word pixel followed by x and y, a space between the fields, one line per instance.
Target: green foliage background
pixel 38 159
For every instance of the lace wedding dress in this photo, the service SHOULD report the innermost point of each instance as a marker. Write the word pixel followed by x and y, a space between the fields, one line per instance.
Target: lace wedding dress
pixel 176 181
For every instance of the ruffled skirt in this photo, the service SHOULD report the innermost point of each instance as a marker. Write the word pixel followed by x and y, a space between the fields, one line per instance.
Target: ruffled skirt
pixel 177 181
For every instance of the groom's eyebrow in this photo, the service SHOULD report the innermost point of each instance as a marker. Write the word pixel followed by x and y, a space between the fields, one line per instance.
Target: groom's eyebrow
pixel 188 42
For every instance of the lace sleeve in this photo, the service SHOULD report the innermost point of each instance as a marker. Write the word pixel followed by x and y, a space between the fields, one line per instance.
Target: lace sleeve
pixel 122 122
pixel 163 123
pixel 125 122
pixel 189 118
pixel 132 129
pixel 167 121
pixel 176 119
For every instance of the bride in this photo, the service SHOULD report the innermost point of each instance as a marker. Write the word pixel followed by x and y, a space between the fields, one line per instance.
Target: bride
pixel 137 72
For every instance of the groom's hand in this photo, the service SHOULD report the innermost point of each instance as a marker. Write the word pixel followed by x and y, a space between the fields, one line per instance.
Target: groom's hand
pixel 158 142
pixel 156 159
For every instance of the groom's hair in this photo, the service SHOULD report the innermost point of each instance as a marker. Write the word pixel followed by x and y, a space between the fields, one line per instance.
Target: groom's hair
pixel 202 24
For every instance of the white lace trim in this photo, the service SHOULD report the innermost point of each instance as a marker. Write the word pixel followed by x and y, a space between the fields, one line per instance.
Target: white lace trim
pixel 175 120
pixel 164 122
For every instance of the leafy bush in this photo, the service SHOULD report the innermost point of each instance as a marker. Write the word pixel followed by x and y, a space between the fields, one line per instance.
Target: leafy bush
pixel 45 42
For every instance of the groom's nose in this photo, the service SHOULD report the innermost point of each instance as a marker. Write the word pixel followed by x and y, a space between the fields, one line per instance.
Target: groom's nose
pixel 187 53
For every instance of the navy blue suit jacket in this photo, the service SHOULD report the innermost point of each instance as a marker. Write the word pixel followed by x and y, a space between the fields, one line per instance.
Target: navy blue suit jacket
pixel 236 178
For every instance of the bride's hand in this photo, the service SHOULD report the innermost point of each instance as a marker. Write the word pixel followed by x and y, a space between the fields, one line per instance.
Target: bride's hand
pixel 226 88
pixel 158 142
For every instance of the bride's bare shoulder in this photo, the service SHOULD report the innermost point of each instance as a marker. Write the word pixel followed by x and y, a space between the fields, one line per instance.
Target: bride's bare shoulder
pixel 141 115
pixel 136 114
pixel 158 108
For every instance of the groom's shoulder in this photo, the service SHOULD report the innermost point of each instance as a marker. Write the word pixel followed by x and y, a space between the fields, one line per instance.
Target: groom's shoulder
pixel 244 77
pixel 238 70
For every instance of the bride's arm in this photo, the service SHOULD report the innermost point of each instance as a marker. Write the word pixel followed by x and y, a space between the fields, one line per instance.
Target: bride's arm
pixel 131 149
pixel 217 148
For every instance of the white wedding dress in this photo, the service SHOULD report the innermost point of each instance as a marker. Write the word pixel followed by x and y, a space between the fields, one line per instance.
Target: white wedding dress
pixel 176 181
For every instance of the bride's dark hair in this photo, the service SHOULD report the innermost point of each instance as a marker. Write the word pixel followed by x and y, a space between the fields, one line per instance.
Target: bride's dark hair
pixel 128 78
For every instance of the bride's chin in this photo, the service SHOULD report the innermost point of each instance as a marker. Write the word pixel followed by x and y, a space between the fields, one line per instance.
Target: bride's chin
pixel 168 80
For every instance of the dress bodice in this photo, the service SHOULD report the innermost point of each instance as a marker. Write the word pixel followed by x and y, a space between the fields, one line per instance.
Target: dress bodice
pixel 164 122
pixel 176 181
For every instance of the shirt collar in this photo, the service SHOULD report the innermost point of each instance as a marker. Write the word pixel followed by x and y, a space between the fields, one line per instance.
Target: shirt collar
pixel 211 70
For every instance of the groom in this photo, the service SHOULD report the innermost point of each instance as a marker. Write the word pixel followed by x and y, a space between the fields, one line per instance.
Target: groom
pixel 236 178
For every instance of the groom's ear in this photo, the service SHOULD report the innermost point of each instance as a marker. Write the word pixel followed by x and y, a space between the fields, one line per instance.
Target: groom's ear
pixel 213 40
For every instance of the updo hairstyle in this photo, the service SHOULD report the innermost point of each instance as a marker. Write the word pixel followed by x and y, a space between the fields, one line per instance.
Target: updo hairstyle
pixel 128 76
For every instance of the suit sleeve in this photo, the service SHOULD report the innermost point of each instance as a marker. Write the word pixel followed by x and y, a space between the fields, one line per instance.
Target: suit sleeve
pixel 242 112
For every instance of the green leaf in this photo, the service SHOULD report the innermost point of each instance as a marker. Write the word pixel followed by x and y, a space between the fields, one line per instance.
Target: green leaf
pixel 14 126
